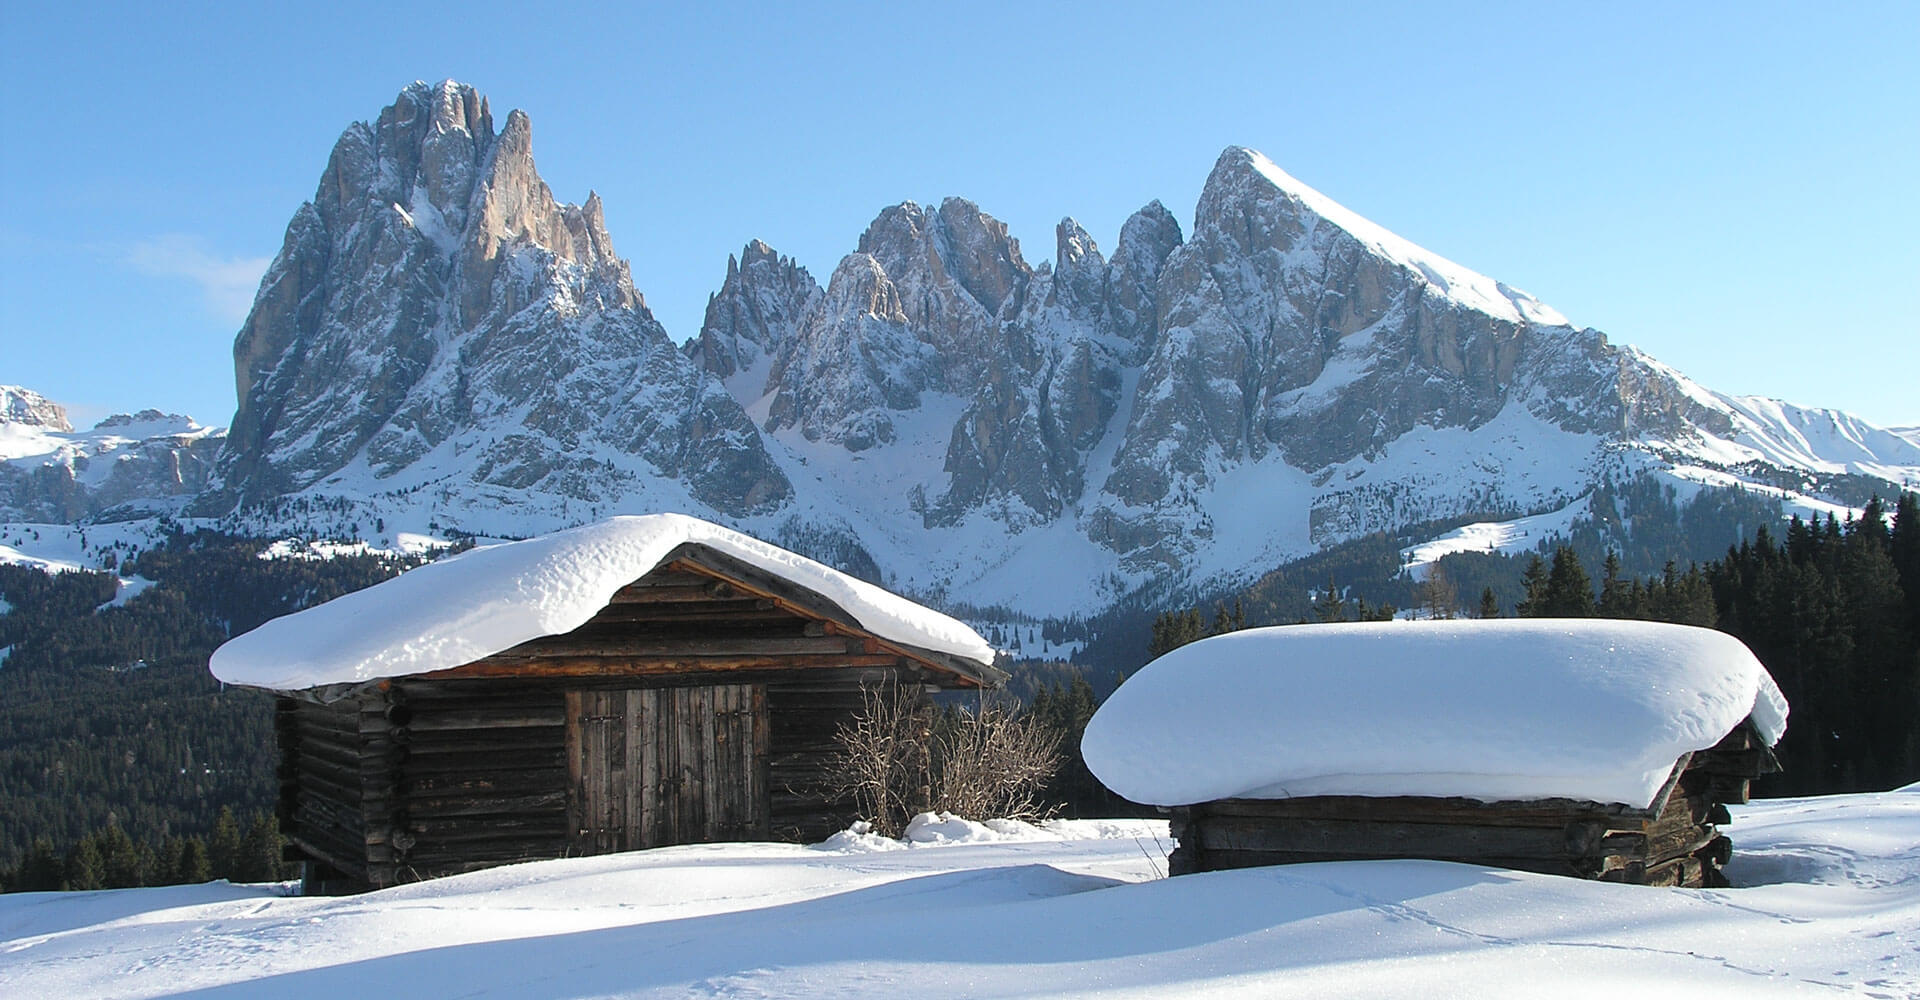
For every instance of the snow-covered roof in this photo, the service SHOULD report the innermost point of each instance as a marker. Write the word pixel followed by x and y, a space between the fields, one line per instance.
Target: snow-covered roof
pixel 1494 710
pixel 495 597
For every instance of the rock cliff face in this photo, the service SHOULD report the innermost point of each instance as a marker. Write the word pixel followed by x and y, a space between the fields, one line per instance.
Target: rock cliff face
pixel 441 341
pixel 436 317
pixel 759 308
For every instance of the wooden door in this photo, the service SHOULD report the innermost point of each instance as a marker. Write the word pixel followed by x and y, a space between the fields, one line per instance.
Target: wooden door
pixel 648 767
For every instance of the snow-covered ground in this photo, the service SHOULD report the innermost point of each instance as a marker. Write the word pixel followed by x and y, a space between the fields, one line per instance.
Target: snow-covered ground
pixel 67 548
pixel 1829 904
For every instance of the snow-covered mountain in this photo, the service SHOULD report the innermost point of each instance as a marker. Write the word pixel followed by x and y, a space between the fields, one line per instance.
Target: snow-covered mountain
pixel 437 326
pixel 442 343
pixel 127 465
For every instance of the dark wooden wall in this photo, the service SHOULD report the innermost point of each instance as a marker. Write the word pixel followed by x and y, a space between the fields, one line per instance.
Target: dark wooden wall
pixel 699 705
pixel 648 767
pixel 1675 843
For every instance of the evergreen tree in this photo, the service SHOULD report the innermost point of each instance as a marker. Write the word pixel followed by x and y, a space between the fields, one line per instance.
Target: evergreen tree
pixel 258 859
pixel 1331 607
pixel 1903 547
pixel 42 870
pixel 1533 580
pixel 1568 592
pixel 85 871
pixel 1615 593
pixel 1489 604
pixel 190 863
pixel 223 848
pixel 123 864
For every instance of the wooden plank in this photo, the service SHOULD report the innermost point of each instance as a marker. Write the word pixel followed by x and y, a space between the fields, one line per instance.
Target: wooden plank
pixel 485 719
pixel 761 819
pixel 515 737
pixel 331 856
pixel 651 720
pixel 753 609
pixel 670 594
pixel 1381 839
pixel 423 763
pixel 1545 813
pixel 670 811
pixel 543 803
pixel 642 646
pixel 487 782
pixel 634 736
pixel 1733 791
pixel 650 666
pixel 685 758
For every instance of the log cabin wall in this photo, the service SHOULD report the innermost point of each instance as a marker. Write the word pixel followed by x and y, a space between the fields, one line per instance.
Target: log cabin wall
pixel 1675 843
pixel 480 779
pixel 322 800
pixel 693 707
pixel 804 716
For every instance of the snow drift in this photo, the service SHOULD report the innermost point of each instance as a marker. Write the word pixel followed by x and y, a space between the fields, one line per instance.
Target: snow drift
pixel 1491 710
pixel 495 597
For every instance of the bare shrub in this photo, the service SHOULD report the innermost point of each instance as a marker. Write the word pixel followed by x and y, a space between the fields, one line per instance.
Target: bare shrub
pixel 894 759
pixel 990 763
pixel 880 757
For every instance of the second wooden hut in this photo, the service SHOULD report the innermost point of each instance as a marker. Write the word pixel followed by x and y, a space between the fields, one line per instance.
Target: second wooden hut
pixel 1596 749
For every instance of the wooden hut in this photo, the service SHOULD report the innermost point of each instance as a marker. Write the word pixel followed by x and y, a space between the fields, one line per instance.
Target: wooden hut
pixel 1528 745
pixel 1674 840
pixel 697 701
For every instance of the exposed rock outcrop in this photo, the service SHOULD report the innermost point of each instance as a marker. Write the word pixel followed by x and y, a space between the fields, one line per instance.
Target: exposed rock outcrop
pixel 435 316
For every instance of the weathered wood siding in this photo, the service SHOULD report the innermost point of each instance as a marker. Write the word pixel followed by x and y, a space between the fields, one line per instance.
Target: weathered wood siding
pixel 699 705
pixel 1675 843
pixel 649 767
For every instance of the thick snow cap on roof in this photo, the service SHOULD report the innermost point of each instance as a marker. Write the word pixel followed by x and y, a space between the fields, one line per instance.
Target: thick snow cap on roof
pixel 495 597
pixel 1494 710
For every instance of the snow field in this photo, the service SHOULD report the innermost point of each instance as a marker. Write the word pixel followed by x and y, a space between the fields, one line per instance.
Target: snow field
pixel 1831 904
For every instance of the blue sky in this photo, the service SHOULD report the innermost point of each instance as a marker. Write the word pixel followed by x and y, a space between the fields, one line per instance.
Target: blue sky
pixel 1731 188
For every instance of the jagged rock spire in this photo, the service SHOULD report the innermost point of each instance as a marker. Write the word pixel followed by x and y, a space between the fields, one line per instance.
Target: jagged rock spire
pixel 436 315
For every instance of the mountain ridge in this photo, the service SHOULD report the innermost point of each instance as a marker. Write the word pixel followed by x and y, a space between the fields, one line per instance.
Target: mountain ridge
pixel 442 344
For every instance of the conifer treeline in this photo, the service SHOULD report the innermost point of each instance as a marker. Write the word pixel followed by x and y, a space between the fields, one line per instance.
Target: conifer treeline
pixel 110 725
pixel 110 859
pixel 1833 610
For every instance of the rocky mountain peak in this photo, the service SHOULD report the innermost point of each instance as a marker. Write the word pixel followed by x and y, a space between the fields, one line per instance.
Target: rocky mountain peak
pixel 955 247
pixel 1073 247
pixel 860 288
pixel 759 308
pixel 436 315
pixel 1079 280
pixel 19 405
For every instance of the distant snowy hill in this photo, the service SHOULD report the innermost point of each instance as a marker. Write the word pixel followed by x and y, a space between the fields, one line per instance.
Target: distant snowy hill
pixel 442 346
pixel 1827 899
pixel 126 465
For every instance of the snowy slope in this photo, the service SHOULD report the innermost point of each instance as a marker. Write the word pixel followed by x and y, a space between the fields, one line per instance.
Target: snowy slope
pixel 65 548
pixel 1829 903
pixel 1735 430
pixel 1469 288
